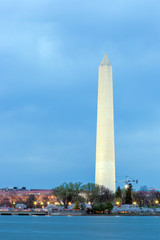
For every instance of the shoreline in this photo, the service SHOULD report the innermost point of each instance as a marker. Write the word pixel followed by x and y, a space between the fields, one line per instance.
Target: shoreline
pixel 71 214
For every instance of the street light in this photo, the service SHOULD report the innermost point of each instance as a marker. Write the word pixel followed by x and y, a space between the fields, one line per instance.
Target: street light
pixel 156 201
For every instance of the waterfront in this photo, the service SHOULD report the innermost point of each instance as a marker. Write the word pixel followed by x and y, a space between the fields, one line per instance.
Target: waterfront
pixel 78 228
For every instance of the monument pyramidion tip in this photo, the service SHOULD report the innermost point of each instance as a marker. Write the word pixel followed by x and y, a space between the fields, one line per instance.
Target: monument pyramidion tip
pixel 105 61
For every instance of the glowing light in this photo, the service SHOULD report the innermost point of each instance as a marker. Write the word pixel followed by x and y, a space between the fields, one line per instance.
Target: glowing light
pixel 56 203
pixel 117 203
pixel 126 186
pixel 35 203
pixel 41 203
pixel 134 203
pixel 156 201
pixel 69 203
pixel 89 203
pixel 48 203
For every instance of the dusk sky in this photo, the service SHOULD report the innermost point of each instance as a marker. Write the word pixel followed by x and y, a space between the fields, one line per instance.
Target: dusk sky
pixel 50 52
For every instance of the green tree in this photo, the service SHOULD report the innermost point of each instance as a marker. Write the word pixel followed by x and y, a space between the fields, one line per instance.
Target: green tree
pixel 92 192
pixel 142 198
pixel 97 194
pixel 45 199
pixel 118 201
pixel 157 195
pixel 99 207
pixel 5 202
pixel 30 201
pixel 67 192
pixel 105 195
pixel 82 205
pixel 118 193
pixel 109 207
pixel 76 205
pixel 128 198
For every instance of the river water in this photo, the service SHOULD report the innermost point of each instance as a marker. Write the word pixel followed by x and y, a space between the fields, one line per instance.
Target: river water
pixel 79 228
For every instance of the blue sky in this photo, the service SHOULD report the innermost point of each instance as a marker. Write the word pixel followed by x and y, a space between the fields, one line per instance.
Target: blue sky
pixel 49 57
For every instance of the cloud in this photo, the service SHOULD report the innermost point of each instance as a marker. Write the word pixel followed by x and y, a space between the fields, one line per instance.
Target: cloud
pixel 49 57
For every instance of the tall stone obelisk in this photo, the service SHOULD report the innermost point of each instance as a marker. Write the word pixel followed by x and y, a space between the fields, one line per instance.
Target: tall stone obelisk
pixel 105 154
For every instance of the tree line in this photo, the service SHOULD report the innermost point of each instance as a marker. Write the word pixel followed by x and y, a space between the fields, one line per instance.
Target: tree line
pixel 101 198
pixel 79 195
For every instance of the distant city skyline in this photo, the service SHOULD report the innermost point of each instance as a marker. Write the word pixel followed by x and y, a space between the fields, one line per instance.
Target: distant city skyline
pixel 49 58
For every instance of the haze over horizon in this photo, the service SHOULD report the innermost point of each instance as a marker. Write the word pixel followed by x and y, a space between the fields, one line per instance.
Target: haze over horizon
pixel 50 52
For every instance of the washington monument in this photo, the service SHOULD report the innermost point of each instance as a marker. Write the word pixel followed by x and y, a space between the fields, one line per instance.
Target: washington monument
pixel 105 155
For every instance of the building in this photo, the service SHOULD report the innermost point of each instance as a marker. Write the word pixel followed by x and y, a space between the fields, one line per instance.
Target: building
pixel 105 153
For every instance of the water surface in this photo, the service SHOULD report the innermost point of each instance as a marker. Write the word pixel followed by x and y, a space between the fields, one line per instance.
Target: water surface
pixel 79 228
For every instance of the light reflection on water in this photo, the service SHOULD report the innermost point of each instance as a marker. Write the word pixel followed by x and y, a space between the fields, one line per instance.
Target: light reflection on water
pixel 78 228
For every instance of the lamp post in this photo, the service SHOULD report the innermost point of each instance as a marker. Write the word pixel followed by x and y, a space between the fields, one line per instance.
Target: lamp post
pixel 35 203
pixel 117 203
pixel 156 202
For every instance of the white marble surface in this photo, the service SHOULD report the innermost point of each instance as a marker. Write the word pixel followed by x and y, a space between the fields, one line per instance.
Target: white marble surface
pixel 105 153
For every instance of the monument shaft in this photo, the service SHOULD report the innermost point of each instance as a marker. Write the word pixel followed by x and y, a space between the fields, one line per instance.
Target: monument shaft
pixel 105 154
